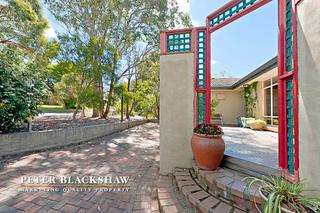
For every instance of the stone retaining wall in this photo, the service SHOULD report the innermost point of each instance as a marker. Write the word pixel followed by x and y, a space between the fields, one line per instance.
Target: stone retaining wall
pixel 32 141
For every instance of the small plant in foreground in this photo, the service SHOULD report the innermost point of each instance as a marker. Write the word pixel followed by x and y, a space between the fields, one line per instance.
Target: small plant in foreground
pixel 281 194
pixel 208 129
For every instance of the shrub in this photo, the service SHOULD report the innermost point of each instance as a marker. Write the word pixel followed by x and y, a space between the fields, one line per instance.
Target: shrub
pixel 20 95
pixel 281 193
pixel 208 129
pixel 257 124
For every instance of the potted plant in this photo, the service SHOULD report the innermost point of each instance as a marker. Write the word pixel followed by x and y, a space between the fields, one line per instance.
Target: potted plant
pixel 281 195
pixel 208 146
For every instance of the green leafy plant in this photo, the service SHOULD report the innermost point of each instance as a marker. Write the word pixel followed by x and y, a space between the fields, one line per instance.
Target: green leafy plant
pixel 21 92
pixel 208 129
pixel 214 105
pixel 280 193
pixel 250 97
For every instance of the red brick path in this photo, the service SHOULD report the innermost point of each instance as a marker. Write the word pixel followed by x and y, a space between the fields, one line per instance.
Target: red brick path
pixel 134 153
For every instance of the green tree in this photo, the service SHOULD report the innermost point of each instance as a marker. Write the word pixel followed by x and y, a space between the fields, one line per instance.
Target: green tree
pixel 149 72
pixel 22 23
pixel 77 82
pixel 142 95
pixel 23 59
pixel 21 90
pixel 116 26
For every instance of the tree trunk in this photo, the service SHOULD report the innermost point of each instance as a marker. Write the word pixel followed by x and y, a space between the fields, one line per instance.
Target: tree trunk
pixel 83 112
pixel 95 110
pixel 158 107
pixel 75 112
pixel 101 101
pixel 111 87
pixel 128 101
pixel 109 98
pixel 122 106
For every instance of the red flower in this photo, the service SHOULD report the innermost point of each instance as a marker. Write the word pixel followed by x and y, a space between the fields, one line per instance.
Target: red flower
pixel 208 129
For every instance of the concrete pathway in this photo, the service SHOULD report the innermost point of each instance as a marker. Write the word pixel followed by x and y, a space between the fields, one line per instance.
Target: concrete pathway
pixel 255 146
pixel 133 153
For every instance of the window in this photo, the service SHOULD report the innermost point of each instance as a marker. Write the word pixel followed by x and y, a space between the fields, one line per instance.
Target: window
pixel 270 93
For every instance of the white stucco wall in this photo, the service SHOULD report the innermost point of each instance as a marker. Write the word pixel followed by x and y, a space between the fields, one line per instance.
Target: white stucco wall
pixel 309 91
pixel 176 111
pixel 231 105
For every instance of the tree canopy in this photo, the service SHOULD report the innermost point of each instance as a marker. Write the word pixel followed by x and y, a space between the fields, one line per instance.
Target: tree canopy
pixel 107 55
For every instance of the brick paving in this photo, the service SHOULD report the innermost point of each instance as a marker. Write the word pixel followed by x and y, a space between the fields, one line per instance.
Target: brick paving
pixel 134 153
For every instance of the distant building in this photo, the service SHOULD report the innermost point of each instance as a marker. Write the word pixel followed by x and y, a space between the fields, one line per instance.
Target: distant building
pixel 229 92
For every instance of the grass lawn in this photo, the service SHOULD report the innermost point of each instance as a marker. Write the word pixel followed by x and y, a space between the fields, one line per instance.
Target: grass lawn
pixel 55 109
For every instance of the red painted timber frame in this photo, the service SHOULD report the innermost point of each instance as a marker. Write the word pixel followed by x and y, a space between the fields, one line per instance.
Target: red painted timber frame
pixel 282 95
pixel 282 75
pixel 234 17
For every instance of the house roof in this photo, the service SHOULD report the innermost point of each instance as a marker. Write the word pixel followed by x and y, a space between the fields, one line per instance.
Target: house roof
pixel 220 83
pixel 232 83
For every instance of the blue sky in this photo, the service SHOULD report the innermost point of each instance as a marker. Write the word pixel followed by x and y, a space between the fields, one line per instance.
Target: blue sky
pixel 236 49
pixel 240 47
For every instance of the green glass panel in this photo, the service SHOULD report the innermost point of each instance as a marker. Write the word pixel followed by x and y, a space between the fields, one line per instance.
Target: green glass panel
pixel 178 42
pixel 201 107
pixel 231 12
pixel 289 36
pixel 290 126
pixel 201 59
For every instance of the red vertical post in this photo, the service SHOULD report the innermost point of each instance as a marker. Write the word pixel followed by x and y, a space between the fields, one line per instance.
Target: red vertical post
pixel 295 89
pixel 208 73
pixel 194 48
pixel 282 104
pixel 283 76
pixel 163 43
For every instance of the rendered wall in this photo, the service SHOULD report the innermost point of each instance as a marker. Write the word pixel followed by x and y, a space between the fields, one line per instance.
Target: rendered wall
pixel 231 106
pixel 176 111
pixel 309 91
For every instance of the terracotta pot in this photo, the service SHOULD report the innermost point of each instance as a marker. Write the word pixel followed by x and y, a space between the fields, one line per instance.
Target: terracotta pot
pixel 208 151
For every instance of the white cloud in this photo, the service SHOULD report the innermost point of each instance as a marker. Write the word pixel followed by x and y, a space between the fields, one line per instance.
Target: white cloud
pixel 213 62
pixel 196 23
pixel 50 33
pixel 184 5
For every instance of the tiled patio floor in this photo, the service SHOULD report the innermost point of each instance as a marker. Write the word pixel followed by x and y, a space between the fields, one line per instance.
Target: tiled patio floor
pixel 133 153
pixel 255 146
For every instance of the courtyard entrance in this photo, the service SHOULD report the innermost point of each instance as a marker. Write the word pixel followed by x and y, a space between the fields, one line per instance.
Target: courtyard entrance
pixel 197 40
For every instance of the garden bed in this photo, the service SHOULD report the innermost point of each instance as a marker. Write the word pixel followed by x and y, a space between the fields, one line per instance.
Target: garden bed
pixel 56 121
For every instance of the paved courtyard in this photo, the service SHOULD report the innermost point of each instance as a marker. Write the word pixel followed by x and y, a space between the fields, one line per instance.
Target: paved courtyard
pixel 133 153
pixel 255 146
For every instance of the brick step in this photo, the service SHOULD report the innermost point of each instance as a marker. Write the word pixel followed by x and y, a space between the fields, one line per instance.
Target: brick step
pixel 229 185
pixel 249 168
pixel 198 199
pixel 170 201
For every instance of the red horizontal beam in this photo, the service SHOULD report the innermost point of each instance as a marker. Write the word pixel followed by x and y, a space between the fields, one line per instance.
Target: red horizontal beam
pixel 238 15
pixel 182 30
pixel 175 53
pixel 223 8
pixel 200 89
pixel 286 76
